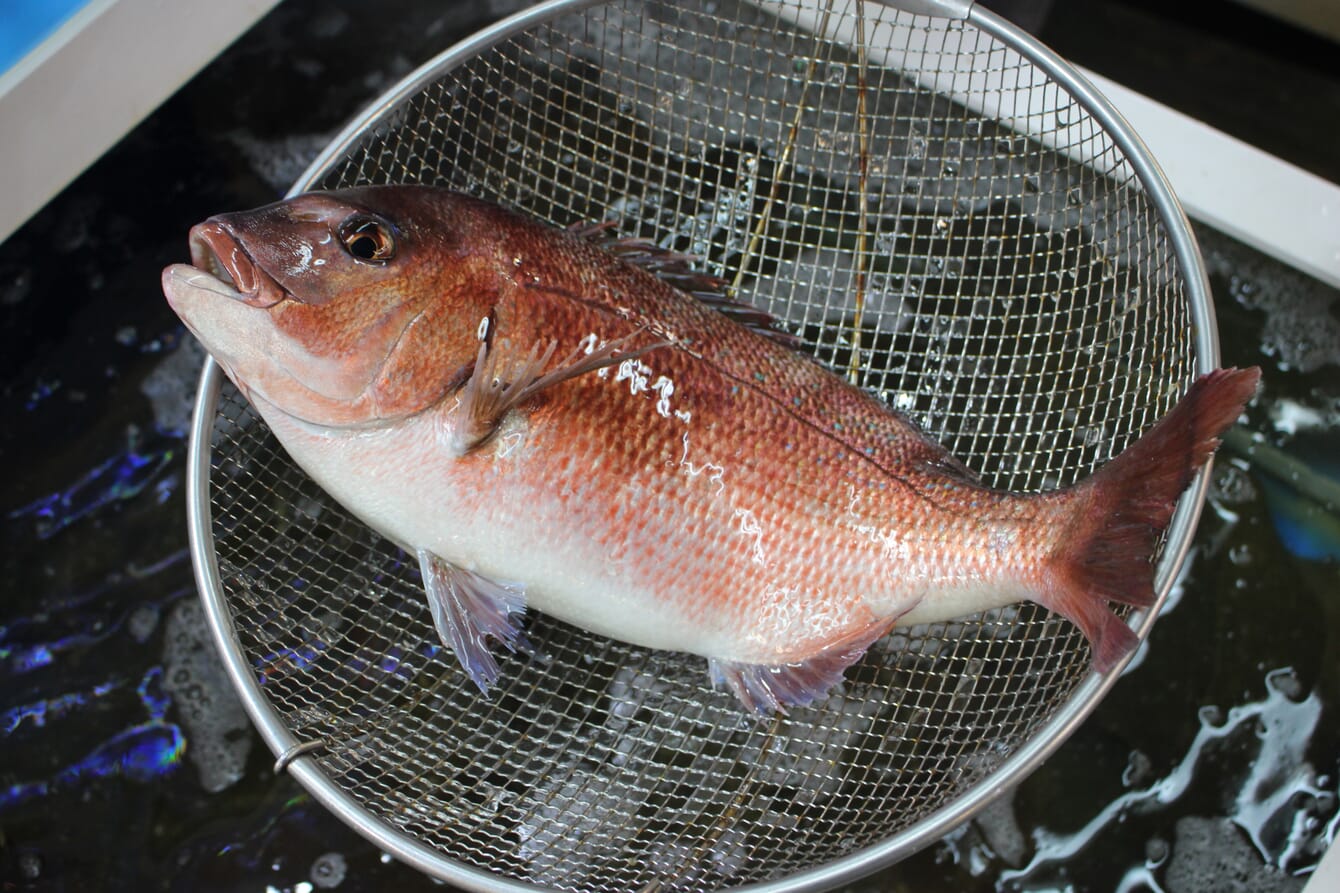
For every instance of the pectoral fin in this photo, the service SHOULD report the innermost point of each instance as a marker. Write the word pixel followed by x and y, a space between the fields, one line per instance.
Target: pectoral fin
pixel 501 381
pixel 469 609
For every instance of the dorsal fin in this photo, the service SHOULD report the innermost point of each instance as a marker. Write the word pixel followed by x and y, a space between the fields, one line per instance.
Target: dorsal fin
pixel 676 269
pixel 750 317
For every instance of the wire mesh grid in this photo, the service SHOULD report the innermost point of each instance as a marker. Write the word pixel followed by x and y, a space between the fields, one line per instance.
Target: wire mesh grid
pixel 1002 278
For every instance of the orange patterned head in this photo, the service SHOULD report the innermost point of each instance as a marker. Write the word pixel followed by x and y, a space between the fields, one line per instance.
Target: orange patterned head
pixel 342 309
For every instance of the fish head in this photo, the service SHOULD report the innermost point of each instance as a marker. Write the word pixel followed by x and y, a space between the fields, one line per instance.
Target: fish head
pixel 351 308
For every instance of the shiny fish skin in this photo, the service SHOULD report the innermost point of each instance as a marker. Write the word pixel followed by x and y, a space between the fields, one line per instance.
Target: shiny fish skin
pixel 549 426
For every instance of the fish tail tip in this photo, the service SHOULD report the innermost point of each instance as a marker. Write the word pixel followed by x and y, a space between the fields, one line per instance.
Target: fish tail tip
pixel 1115 640
pixel 1110 637
pixel 1214 402
pixel 1141 486
pixel 1118 515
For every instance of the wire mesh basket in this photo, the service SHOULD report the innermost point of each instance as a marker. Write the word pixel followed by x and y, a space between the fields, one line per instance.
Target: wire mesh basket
pixel 937 206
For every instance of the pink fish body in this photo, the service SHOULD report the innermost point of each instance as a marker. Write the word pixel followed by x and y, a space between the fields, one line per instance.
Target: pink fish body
pixel 550 427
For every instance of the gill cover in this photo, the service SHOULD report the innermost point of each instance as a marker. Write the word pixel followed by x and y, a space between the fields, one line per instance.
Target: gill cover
pixel 348 308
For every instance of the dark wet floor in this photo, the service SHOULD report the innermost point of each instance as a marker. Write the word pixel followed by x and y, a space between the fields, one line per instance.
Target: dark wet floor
pixel 124 760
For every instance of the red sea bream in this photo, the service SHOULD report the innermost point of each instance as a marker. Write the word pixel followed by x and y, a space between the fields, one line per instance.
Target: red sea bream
pixel 551 427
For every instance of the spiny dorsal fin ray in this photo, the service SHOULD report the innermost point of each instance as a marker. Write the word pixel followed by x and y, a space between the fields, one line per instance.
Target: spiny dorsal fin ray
pixel 676 268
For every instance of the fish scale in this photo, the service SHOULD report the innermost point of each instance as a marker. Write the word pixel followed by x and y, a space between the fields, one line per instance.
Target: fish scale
pixel 776 449
pixel 543 422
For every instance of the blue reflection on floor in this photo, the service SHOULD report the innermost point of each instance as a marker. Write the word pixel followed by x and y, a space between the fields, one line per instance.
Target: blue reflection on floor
pixel 119 477
pixel 140 753
pixel 1305 525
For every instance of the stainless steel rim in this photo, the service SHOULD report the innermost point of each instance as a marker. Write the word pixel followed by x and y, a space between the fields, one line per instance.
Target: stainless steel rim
pixel 404 847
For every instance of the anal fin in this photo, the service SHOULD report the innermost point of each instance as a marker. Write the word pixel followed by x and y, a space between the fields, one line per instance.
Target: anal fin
pixel 468 610
pixel 766 689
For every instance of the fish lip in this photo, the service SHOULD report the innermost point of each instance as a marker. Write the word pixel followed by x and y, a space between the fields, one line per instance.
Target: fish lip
pixel 196 278
pixel 220 257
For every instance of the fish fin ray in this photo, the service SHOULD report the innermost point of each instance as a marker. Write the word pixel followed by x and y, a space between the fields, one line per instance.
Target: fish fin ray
pixel 940 463
pixel 766 689
pixel 468 610
pixel 1119 513
pixel 501 381
pixel 751 317
pixel 676 268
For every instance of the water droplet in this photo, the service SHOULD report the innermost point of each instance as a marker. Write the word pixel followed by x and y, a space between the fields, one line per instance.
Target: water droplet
pixel 1137 771
pixel 1287 683
pixel 329 870
pixel 30 865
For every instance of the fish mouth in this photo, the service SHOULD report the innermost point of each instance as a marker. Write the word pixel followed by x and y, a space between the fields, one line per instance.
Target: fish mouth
pixel 228 270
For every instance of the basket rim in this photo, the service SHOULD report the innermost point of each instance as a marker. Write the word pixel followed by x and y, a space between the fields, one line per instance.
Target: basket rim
pixel 1018 765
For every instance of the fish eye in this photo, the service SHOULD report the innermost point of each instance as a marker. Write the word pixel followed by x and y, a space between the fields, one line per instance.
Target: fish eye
pixel 368 239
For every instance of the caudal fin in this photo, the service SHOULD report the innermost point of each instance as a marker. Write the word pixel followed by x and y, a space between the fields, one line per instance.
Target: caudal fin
pixel 1118 514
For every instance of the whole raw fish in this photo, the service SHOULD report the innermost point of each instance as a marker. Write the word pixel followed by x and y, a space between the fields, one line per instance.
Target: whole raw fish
pixel 548 425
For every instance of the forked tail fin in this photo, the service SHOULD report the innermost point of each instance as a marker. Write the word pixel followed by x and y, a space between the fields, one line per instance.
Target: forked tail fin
pixel 1119 513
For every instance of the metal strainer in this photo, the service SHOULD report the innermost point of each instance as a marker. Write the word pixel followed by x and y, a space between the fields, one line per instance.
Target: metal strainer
pixel 940 208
